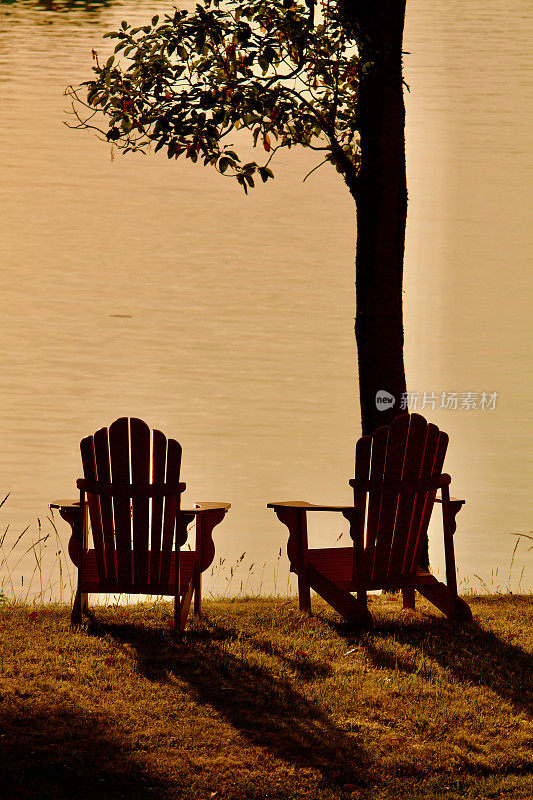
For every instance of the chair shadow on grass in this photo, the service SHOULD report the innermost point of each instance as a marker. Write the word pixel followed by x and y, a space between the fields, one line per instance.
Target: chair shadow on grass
pixel 259 704
pixel 471 654
pixel 68 754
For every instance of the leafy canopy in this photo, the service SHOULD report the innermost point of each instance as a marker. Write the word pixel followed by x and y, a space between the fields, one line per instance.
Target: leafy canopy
pixel 189 81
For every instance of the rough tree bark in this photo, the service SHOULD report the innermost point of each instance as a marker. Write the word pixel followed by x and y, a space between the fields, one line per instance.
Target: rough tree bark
pixel 380 193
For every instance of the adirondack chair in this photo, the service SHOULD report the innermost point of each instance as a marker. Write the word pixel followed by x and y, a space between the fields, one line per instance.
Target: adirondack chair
pixel 137 525
pixel 398 470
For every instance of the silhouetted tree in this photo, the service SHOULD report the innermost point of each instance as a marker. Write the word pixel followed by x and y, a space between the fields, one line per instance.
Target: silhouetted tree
pixel 329 79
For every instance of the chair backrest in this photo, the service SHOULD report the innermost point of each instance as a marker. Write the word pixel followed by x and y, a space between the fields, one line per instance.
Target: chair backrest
pixel 397 472
pixel 131 481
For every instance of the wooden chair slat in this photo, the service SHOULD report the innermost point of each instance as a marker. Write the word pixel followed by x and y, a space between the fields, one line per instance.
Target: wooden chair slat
pixel 159 457
pixel 103 474
pixel 363 451
pixel 398 432
pixel 438 463
pixel 140 473
pixel 412 463
pixel 89 467
pixel 171 506
pixel 119 450
pixel 414 539
pixel 377 466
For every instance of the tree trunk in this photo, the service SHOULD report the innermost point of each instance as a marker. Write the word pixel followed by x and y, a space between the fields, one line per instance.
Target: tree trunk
pixel 380 192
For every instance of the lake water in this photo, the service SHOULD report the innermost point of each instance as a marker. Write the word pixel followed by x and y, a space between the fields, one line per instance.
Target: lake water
pixel 140 287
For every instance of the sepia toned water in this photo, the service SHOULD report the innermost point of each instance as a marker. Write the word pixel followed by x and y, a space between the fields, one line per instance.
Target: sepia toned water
pixel 140 287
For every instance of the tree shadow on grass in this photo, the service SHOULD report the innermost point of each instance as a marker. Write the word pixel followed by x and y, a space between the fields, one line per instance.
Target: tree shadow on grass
pixel 66 754
pixel 471 654
pixel 257 702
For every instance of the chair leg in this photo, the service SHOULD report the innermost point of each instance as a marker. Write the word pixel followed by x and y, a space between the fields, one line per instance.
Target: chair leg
pixel 453 606
pixel 447 599
pixel 304 594
pixel 181 609
pixel 296 522
pixel 354 611
pixel 177 612
pixel 362 597
pixel 75 617
pixel 197 578
pixel 461 611
pixel 80 607
pixel 409 598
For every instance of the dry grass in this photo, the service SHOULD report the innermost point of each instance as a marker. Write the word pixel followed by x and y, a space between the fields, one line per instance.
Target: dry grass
pixel 258 701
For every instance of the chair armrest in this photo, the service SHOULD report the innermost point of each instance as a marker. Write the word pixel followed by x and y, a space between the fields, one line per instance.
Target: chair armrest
pixel 293 514
pixel 208 515
pixel 73 504
pixel 302 505
pixel 197 509
pixel 202 508
pixel 452 500
pixel 72 512
pixel 450 508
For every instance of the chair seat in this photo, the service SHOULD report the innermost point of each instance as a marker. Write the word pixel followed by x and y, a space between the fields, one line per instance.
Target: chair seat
pixel 337 565
pixel 89 580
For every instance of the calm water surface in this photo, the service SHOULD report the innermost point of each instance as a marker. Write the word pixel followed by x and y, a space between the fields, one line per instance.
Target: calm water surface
pixel 142 288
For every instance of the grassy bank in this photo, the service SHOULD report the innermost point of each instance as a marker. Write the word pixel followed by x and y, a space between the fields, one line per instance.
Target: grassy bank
pixel 257 701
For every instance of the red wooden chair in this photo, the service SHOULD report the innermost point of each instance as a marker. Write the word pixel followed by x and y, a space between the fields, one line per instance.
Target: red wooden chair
pixel 130 494
pixel 398 470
